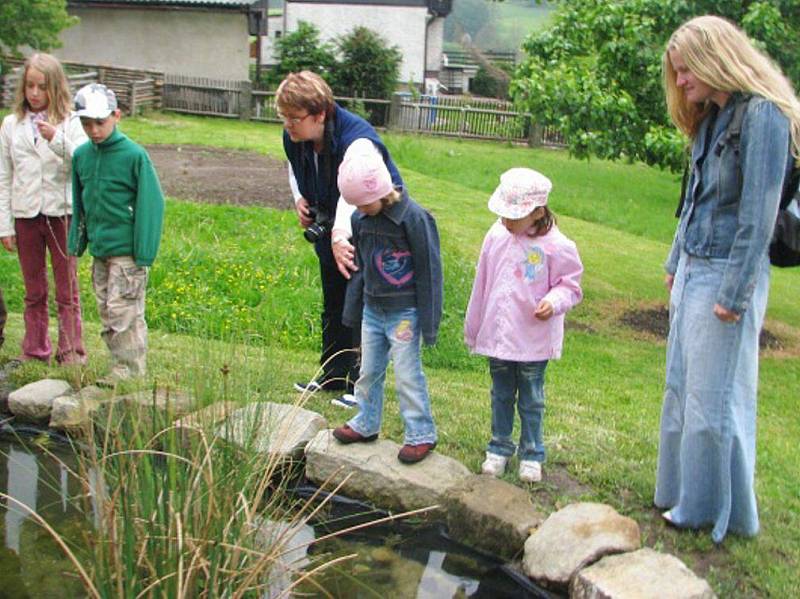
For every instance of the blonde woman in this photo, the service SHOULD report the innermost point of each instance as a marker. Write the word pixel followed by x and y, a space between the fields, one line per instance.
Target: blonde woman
pixel 36 145
pixel 718 271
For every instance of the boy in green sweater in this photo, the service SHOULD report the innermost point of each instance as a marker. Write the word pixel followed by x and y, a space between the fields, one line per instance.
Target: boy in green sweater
pixel 118 211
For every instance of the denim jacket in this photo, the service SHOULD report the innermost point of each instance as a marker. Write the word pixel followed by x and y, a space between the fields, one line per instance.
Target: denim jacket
pixel 399 265
pixel 732 202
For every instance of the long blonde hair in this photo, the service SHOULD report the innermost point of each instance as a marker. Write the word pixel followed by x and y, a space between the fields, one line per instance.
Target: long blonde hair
pixel 721 55
pixel 59 101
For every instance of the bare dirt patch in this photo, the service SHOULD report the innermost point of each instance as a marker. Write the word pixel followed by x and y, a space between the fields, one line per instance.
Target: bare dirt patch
pixel 222 176
pixel 655 321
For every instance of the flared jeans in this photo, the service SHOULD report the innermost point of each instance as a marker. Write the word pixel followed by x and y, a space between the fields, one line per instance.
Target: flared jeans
pixel 707 449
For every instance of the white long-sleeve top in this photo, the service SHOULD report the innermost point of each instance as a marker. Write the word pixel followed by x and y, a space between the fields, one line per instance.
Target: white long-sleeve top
pixel 36 177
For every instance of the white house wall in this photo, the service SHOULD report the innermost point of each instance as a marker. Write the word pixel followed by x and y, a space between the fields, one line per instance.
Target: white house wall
pixel 196 43
pixel 401 26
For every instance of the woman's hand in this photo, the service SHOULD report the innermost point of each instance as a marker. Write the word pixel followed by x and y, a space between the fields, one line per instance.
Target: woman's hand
pixel 301 206
pixel 726 315
pixel 46 130
pixel 668 281
pixel 10 243
pixel 544 310
pixel 343 253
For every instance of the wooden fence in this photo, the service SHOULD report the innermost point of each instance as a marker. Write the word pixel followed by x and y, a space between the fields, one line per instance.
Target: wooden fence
pixel 481 118
pixel 134 88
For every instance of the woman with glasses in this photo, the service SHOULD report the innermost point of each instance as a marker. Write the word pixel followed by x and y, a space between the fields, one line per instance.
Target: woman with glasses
pixel 317 132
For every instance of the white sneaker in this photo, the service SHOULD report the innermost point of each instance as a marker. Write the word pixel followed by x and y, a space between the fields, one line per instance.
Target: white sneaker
pixel 530 471
pixel 494 464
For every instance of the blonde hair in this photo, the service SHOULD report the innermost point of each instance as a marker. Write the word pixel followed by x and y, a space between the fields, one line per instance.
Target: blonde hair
pixel 59 101
pixel 306 91
pixel 721 55
pixel 391 198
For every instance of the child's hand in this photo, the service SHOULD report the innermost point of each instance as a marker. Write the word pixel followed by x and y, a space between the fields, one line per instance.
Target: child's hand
pixel 544 310
pixel 10 243
pixel 46 130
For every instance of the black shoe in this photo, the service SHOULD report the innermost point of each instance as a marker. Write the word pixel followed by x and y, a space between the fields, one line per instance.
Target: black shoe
pixel 323 385
pixel 346 400
pixel 310 387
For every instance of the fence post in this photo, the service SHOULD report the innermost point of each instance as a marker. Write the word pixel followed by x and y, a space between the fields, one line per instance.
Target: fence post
pixel 394 111
pixel 463 127
pixel 132 96
pixel 245 100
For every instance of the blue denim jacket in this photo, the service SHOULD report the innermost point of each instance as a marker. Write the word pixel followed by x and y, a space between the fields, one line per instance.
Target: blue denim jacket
pixel 731 203
pixel 400 266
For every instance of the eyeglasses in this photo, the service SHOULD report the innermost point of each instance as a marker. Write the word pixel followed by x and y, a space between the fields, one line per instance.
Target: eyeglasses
pixel 294 120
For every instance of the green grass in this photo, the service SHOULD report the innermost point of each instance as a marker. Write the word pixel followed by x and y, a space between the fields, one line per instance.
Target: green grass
pixel 245 274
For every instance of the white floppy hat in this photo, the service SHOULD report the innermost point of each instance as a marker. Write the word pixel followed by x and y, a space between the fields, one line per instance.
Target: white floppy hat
pixel 95 101
pixel 520 192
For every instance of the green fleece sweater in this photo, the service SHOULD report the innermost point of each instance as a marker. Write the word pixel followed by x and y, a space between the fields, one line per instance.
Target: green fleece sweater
pixel 118 207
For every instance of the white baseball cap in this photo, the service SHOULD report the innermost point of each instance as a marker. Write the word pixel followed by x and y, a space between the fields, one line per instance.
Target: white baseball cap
pixel 95 101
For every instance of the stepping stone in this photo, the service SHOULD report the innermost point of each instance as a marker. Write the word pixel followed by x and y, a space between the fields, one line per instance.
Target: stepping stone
pixel 371 471
pixel 491 514
pixel 639 575
pixel 573 538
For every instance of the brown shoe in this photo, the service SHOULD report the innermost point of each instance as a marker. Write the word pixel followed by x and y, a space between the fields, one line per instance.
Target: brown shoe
pixel 411 454
pixel 346 435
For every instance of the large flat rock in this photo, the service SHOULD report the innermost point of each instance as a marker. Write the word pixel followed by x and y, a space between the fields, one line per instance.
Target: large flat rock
pixel 281 430
pixel 574 537
pixel 491 514
pixel 371 471
pixel 34 401
pixel 639 575
pixel 73 413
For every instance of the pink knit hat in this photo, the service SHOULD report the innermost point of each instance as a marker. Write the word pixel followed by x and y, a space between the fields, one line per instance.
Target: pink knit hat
pixel 521 191
pixel 363 176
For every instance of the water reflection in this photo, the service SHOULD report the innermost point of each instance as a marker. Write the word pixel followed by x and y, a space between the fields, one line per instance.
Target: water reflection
pixel 31 564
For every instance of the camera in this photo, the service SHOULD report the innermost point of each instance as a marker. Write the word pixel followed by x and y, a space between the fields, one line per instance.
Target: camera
pixel 321 225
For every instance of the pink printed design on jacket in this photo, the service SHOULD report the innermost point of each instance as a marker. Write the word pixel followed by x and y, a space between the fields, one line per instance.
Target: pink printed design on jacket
pixel 396 267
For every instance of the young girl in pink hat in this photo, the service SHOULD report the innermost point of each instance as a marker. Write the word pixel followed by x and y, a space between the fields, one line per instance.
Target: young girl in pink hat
pixel 398 289
pixel 528 277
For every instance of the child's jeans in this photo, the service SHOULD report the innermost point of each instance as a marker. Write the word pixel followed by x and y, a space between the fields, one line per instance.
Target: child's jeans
pixel 521 383
pixel 35 236
pixel 119 287
pixel 394 333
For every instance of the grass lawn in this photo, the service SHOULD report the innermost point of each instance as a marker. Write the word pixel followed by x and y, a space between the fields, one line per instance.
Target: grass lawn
pixel 238 286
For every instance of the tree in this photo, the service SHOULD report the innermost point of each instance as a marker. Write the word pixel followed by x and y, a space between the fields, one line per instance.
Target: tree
pixel 34 23
pixel 367 67
pixel 596 72
pixel 302 50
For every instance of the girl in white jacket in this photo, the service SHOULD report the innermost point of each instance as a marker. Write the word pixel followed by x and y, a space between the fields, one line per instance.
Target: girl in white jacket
pixel 36 145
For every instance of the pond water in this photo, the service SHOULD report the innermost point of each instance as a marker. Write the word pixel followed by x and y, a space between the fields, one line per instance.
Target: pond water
pixel 391 561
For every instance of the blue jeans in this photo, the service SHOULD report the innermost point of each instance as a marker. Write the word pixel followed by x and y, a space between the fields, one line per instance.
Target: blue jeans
pixel 707 451
pixel 394 334
pixel 521 383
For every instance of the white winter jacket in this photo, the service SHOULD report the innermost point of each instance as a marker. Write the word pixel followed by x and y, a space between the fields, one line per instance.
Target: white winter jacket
pixel 36 178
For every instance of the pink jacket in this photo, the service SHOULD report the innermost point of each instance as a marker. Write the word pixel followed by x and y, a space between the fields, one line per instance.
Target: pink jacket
pixel 516 272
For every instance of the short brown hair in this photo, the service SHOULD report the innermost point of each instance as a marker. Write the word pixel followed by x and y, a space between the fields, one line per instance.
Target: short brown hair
pixel 306 91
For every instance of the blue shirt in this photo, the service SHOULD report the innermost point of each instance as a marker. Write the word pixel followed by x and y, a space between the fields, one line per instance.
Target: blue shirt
pixel 732 201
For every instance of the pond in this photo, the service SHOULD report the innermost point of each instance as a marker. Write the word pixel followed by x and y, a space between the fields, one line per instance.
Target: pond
pixel 392 560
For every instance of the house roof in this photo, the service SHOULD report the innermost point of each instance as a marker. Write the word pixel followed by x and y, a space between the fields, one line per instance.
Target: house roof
pixel 172 3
